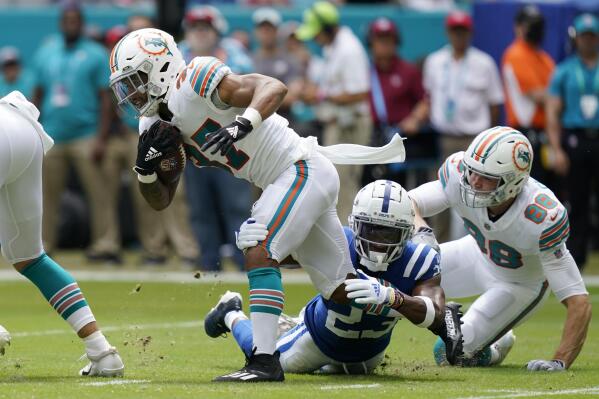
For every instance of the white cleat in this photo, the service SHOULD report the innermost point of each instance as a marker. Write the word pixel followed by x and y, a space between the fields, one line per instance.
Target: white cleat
pixel 106 364
pixel 501 347
pixel 4 340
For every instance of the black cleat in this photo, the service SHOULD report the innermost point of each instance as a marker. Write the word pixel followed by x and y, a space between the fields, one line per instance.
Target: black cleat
pixel 258 368
pixel 453 338
pixel 214 322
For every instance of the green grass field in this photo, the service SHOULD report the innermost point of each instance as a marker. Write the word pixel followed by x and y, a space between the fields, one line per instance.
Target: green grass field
pixel 167 355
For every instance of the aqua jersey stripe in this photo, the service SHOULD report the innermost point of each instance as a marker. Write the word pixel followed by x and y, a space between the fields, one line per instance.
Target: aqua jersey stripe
pixel 551 229
pixel 441 177
pixel 555 235
pixel 206 90
pixel 557 241
pixel 202 75
pixel 282 212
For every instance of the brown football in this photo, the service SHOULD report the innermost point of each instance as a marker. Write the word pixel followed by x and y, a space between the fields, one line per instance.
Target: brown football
pixel 172 164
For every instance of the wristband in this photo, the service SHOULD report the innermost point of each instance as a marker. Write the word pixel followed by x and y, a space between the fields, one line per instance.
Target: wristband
pixel 253 116
pixel 147 179
pixel 395 298
pixel 430 312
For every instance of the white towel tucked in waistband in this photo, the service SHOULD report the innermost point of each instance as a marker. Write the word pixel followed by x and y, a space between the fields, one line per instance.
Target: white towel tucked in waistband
pixel 354 154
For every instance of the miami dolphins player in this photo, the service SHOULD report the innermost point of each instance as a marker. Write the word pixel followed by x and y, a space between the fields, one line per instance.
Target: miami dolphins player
pixel 398 279
pixel 229 121
pixel 515 250
pixel 23 143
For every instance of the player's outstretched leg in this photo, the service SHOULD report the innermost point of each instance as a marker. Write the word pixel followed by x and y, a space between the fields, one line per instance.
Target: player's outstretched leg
pixel 489 356
pixel 266 305
pixel 227 316
pixel 501 347
pixel 62 292
pixel 215 321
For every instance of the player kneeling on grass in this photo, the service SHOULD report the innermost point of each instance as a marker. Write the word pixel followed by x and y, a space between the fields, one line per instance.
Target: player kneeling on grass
pixel 515 250
pixel 398 278
pixel 23 143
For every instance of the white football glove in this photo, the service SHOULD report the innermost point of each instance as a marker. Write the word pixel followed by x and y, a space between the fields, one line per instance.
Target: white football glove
pixel 367 289
pixel 249 234
pixel 546 365
pixel 4 339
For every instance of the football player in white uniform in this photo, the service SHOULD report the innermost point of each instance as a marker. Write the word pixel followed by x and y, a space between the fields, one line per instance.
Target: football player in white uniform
pixel 23 143
pixel 515 249
pixel 229 121
pixel 398 278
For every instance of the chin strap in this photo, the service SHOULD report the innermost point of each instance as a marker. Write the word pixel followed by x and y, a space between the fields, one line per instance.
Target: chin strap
pixel 374 266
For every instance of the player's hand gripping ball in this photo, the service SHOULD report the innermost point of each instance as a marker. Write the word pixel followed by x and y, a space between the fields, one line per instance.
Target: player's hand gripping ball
pixel 161 150
pixel 4 339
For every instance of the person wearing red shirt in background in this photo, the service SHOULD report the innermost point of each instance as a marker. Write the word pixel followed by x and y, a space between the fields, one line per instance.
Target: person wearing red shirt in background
pixel 397 97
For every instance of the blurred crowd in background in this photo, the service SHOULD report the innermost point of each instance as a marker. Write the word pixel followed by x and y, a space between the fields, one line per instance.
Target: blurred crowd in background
pixel 413 4
pixel 343 88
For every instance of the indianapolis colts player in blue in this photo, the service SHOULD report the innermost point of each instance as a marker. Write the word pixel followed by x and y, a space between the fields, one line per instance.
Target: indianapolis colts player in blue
pixel 396 277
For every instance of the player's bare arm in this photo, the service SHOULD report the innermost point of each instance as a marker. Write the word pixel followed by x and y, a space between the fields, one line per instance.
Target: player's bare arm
pixel 260 92
pixel 260 95
pixel 158 194
pixel 575 328
pixel 414 307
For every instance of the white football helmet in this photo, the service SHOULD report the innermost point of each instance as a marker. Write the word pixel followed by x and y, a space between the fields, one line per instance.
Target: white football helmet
pixel 502 154
pixel 382 220
pixel 143 65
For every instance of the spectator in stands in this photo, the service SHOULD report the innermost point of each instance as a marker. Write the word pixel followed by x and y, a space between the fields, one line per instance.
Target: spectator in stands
pixel 465 93
pixel 14 77
pixel 573 131
pixel 397 99
pixel 154 229
pixel 72 94
pixel 218 202
pixel 270 59
pixel 342 92
pixel 526 70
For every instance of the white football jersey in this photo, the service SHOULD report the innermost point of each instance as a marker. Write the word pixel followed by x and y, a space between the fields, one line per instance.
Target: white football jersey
pixel 259 158
pixel 536 223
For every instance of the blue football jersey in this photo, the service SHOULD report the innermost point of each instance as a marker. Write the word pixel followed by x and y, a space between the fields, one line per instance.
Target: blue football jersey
pixel 356 333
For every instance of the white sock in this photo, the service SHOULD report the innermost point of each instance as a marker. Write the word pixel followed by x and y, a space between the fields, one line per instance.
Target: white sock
pixel 232 316
pixel 265 328
pixel 96 343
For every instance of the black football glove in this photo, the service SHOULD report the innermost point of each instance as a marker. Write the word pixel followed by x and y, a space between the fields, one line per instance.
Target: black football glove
pixel 224 137
pixel 451 333
pixel 158 140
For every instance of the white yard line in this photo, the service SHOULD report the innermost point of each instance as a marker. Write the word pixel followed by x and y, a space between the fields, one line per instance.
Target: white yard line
pixel 353 386
pixel 515 393
pixel 114 382
pixel 289 276
pixel 151 326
